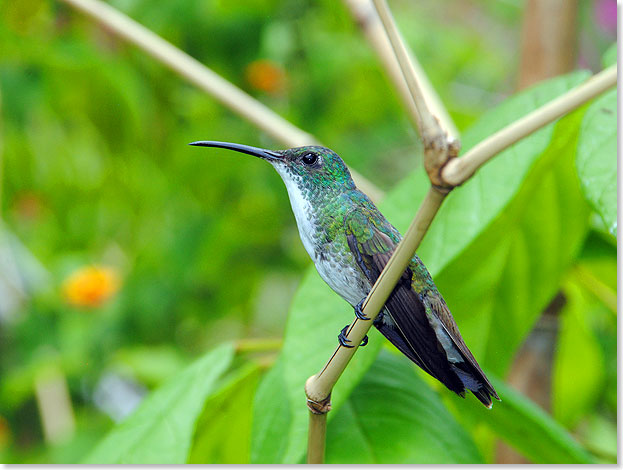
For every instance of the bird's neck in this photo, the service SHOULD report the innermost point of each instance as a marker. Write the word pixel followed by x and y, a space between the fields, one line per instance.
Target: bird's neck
pixel 319 213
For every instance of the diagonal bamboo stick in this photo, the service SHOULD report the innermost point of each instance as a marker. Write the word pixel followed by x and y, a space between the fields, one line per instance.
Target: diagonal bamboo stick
pixel 367 18
pixel 459 170
pixel 198 74
pixel 438 147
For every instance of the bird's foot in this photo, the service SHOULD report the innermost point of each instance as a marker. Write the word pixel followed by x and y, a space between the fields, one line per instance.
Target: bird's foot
pixel 343 340
pixel 359 310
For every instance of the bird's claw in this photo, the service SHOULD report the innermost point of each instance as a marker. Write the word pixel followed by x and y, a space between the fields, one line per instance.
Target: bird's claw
pixel 359 310
pixel 343 340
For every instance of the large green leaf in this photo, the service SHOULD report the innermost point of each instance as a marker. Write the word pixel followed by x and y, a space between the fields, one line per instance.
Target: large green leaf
pixel 161 429
pixel 523 425
pixel 520 190
pixel 597 157
pixel 393 416
pixel 504 280
pixel 223 431
pixel 271 417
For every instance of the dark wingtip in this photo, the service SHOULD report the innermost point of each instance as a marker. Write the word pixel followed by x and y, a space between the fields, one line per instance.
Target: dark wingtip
pixel 484 398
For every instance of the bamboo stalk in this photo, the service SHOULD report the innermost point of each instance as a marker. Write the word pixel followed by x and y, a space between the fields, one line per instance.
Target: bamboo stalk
pixel 316 437
pixel 54 404
pixel 366 17
pixel 207 80
pixel 459 170
pixel 438 147
pixel 428 124
pixel 319 386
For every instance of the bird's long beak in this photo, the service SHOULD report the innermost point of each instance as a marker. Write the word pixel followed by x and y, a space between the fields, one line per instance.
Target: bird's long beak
pixel 255 151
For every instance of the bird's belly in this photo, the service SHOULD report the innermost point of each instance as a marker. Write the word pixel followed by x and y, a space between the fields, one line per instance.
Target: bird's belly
pixel 345 279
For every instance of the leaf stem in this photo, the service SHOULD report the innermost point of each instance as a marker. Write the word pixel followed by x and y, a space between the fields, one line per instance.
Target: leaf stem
pixel 244 345
pixel 597 287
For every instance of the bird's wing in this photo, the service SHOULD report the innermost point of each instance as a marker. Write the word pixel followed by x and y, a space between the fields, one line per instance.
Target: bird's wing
pixel 438 308
pixel 407 326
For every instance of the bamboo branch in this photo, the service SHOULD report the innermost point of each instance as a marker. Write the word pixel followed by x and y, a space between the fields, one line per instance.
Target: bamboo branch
pixel 198 74
pixel 54 404
pixel 438 148
pixel 366 17
pixel 319 386
pixel 459 170
pixel 316 437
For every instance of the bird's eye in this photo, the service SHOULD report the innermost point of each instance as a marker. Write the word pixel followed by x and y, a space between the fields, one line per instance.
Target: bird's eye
pixel 310 158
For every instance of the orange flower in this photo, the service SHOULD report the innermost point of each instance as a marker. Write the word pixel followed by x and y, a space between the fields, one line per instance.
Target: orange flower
pixel 91 286
pixel 28 205
pixel 265 75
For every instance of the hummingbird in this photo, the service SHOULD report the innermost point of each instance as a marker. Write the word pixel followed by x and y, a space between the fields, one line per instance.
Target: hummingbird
pixel 350 242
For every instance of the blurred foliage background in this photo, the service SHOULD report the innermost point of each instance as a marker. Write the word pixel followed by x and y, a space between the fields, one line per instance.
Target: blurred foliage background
pixel 125 254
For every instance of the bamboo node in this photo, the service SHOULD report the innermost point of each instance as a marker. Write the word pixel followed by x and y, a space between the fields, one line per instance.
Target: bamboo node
pixel 319 407
pixel 439 150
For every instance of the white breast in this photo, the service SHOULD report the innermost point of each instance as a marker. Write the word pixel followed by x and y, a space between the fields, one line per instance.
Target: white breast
pixel 338 272
pixel 302 210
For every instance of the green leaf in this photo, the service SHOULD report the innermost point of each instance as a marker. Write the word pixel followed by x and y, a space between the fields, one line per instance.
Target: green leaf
pixel 271 418
pixel 597 157
pixel 578 366
pixel 161 429
pixel 394 417
pixel 223 432
pixel 499 215
pixel 523 425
